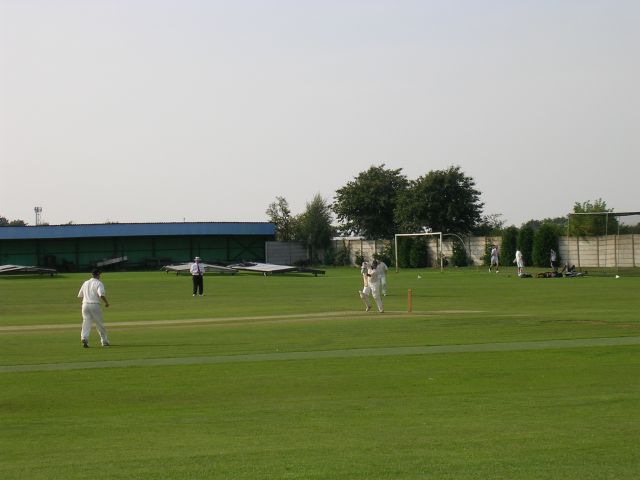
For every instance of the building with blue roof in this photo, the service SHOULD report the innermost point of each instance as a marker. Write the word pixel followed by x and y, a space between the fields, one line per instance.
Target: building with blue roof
pixel 145 245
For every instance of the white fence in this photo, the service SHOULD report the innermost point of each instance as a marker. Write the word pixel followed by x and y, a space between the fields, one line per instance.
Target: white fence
pixel 621 251
pixel 617 251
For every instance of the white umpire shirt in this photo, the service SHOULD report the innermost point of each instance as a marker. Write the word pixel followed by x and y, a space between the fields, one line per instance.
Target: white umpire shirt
pixel 194 269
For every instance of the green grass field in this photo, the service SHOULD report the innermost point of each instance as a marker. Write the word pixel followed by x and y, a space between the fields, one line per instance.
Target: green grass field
pixel 286 377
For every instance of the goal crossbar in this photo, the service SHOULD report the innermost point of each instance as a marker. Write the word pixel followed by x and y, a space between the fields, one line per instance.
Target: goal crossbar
pixel 422 234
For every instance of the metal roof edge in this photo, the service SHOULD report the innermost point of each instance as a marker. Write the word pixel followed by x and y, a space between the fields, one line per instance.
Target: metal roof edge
pixel 135 229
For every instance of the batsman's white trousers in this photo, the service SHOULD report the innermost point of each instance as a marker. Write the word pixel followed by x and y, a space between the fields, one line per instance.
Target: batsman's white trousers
pixel 374 291
pixel 91 312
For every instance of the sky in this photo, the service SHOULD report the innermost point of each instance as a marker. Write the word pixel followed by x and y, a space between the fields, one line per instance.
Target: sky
pixel 187 110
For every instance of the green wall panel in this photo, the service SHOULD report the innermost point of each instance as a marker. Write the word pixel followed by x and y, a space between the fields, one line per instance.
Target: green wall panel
pixel 141 252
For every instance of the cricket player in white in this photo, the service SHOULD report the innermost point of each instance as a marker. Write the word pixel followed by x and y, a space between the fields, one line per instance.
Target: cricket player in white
pixel 494 259
pixel 364 293
pixel 382 273
pixel 373 288
pixel 91 292
pixel 519 261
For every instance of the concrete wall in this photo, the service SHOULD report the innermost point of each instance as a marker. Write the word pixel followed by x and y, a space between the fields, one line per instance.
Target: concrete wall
pixel 358 246
pixel 622 251
pixel 285 253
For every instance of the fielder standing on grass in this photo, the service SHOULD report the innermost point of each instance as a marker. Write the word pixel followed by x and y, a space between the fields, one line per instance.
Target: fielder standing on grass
pixel 91 292
pixel 382 273
pixel 553 256
pixel 519 261
pixel 494 259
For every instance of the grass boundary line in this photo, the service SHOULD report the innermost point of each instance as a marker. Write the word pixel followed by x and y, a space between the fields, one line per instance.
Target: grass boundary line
pixel 324 354
pixel 195 321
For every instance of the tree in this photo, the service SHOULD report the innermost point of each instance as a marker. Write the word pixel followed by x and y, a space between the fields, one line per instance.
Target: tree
pixel 525 243
pixel 366 205
pixel 280 215
pixel 545 239
pixel 628 229
pixel 313 227
pixel 560 222
pixel 443 200
pixel 509 245
pixel 489 225
pixel 459 256
pixel 592 225
pixel 4 222
pixel 418 253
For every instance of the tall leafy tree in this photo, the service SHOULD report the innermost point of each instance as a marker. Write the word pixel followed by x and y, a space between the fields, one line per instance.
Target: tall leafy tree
pixel 444 200
pixel 489 225
pixel 546 238
pixel 280 215
pixel 525 243
pixel 313 227
pixel 366 205
pixel 585 225
pixel 508 245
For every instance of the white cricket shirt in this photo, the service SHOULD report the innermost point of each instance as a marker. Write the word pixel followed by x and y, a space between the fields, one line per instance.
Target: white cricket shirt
pixel 91 291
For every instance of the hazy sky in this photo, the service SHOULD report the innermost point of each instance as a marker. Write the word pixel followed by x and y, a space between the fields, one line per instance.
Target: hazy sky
pixel 152 110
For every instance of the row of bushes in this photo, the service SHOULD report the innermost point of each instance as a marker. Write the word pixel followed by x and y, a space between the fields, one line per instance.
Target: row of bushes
pixel 535 245
pixel 412 253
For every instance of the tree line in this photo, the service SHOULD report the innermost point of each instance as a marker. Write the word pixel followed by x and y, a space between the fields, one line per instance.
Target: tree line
pixel 4 222
pixel 380 202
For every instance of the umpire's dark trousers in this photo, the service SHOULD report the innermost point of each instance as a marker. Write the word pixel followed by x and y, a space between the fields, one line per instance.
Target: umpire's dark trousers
pixel 198 284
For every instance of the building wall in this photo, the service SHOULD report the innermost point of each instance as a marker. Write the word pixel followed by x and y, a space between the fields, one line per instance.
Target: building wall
pixel 142 252
pixel 285 253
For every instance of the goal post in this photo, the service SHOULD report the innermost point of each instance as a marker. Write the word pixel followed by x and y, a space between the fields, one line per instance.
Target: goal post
pixel 437 235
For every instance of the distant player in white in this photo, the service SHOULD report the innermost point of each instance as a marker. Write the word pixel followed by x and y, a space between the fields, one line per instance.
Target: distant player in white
pixel 519 261
pixel 91 292
pixel 382 273
pixel 366 291
pixel 374 286
pixel 494 258
pixel 554 260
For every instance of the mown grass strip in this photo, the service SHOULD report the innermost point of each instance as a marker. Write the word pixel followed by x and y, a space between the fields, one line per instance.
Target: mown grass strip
pixel 315 355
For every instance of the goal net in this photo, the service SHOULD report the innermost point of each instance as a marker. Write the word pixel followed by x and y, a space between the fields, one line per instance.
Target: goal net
pixel 603 242
pixel 426 244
